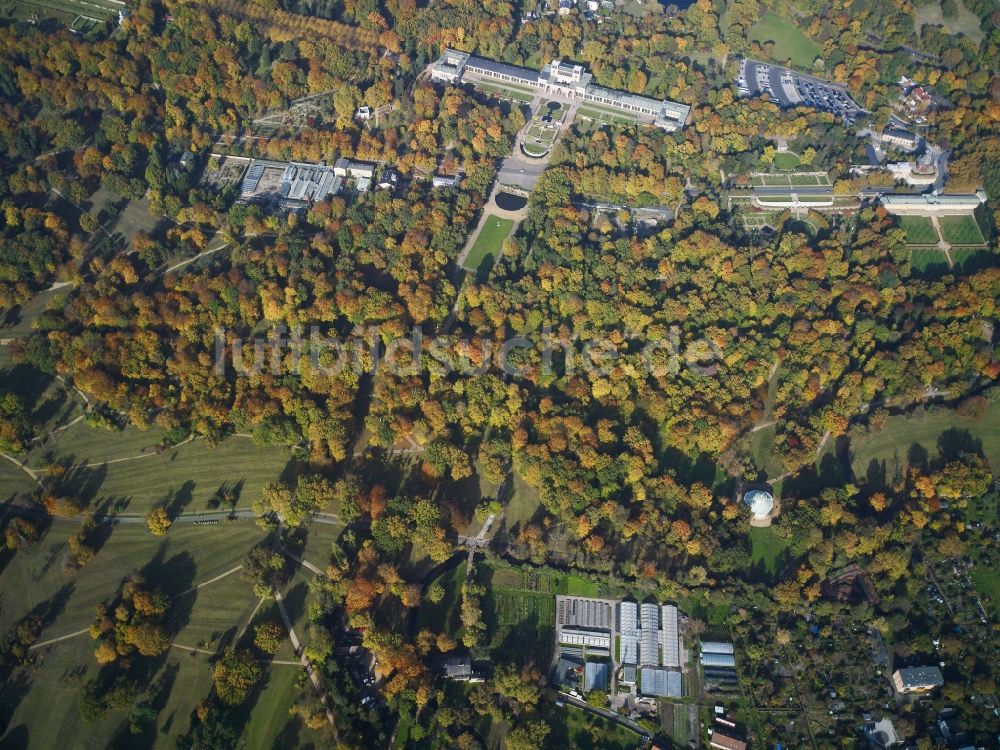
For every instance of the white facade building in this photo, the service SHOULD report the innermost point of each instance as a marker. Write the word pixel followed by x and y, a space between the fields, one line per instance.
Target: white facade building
pixel 565 80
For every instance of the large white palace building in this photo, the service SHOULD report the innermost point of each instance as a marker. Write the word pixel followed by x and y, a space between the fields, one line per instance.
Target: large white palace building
pixel 562 80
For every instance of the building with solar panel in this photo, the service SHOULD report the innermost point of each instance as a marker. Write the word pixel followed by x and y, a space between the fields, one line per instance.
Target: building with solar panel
pixel 661 682
pixel 290 185
pixel 671 656
pixel 628 633
pixel 634 640
pixel 649 633
pixel 718 663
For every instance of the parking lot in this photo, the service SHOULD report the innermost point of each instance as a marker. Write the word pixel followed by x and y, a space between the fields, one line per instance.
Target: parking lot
pixel 791 89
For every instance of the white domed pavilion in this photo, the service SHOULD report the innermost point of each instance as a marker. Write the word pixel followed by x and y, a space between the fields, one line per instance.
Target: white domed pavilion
pixel 761 504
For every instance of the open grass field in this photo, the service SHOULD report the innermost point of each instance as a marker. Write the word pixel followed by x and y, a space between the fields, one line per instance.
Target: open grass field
pixel 987 581
pixel 19 322
pixel 809 180
pixel 187 556
pixel 45 713
pixel 574 727
pixel 125 471
pixel 605 116
pixel 762 445
pixel 965 21
pixel 319 541
pixel 961 230
pixel 489 243
pixel 786 160
pixel 41 706
pixel 218 613
pixel 888 453
pixel 523 504
pixel 509 92
pixel 928 261
pixel 443 617
pixel 766 549
pixel 919 230
pixel 520 625
pixel 269 724
pixel 13 481
pixel 789 41
pixel 795 179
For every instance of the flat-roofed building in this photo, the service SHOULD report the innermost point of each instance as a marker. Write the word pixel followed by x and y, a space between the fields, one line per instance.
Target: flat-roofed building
pixel 585 638
pixel 450 66
pixel 917 679
pixel 718 660
pixel 564 80
pixel 582 612
pixel 881 735
pixel 717 647
pixel 671 637
pixel 568 670
pixel 722 741
pixel 291 185
pixel 649 634
pixel 665 114
pixel 344 167
pixel 663 683
pixel 595 676
pixel 928 204
pixel 628 629
pixel 501 71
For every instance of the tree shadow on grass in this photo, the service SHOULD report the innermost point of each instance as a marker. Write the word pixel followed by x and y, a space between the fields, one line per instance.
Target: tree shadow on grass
pixel 15 739
pixel 289 736
pixel 917 457
pixel 484 268
pixel 160 694
pixel 15 688
pixel 956 442
pixel 295 601
pixel 27 382
pixel 875 477
pixel 180 498
pixel 52 607
pixel 524 644
pixel 79 481
pixel 226 490
pixel 239 716
pixel 175 577
pixel 15 683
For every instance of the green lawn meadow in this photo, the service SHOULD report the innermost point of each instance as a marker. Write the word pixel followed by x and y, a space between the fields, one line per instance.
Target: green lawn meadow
pixel 789 41
pixel 39 706
pixel 129 471
pixel 919 230
pixel 786 160
pixel 890 448
pixel 766 549
pixel 489 243
pixel 961 230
